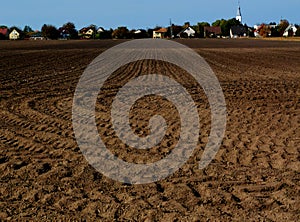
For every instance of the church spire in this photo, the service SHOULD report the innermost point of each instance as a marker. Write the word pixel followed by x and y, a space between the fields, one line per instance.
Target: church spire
pixel 239 14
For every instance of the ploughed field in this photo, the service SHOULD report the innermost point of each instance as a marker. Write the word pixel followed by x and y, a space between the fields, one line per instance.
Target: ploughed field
pixel 254 176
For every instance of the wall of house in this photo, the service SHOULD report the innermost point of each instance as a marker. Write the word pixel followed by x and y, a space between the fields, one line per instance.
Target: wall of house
pixel 89 32
pixel 190 32
pixel 157 35
pixel 14 35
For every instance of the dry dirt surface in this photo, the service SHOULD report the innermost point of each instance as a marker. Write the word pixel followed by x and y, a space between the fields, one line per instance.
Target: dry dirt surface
pixel 254 177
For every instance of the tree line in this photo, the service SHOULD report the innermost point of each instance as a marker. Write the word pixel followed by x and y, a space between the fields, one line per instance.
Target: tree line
pixel 69 31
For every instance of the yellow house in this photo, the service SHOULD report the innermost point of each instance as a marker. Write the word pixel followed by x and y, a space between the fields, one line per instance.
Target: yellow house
pixel 90 32
pixel 86 33
pixel 14 35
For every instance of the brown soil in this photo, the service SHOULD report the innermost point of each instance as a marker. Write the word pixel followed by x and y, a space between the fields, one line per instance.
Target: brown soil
pixel 254 177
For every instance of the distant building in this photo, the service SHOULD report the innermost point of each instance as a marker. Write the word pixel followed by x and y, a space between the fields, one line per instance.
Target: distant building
pixel 160 33
pixel 257 29
pixel 100 30
pixel 86 33
pixel 137 32
pixel 36 36
pixel 187 32
pixel 14 35
pixel 263 30
pixel 239 14
pixel 290 31
pixel 90 32
pixel 212 31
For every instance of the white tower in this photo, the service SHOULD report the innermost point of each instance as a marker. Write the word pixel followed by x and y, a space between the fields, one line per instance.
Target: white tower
pixel 239 14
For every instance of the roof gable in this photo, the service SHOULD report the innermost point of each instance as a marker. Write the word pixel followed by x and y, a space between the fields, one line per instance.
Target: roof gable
pixel 14 32
pixel 100 29
pixel 188 29
pixel 161 30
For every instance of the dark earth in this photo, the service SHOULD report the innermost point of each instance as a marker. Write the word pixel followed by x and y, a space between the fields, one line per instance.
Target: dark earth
pixel 254 177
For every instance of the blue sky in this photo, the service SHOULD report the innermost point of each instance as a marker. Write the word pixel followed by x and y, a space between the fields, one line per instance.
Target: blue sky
pixel 142 13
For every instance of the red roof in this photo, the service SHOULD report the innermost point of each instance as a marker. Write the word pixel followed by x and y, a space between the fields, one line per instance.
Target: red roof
pixel 162 30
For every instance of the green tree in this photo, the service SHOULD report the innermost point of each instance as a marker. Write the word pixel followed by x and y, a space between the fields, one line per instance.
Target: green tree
pixel 298 32
pixel 282 27
pixel 223 24
pixel 27 29
pixel 275 32
pixel 265 31
pixel 50 32
pixel 150 32
pixel 200 29
pixel 71 29
pixel 140 34
pixel 177 29
pixel 218 22
pixel 3 37
pixel 121 33
pixel 106 34
pixel 226 25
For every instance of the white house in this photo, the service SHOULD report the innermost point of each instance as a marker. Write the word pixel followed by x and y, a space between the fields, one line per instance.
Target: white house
pixel 137 31
pixel 290 29
pixel 100 30
pixel 14 35
pixel 188 31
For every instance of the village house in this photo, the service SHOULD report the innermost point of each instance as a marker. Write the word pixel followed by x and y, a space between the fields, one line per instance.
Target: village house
pixel 290 31
pixel 90 32
pixel 257 29
pixel 187 32
pixel 160 33
pixel 212 31
pixel 14 35
pixel 263 30
pixel 86 33
pixel 36 36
